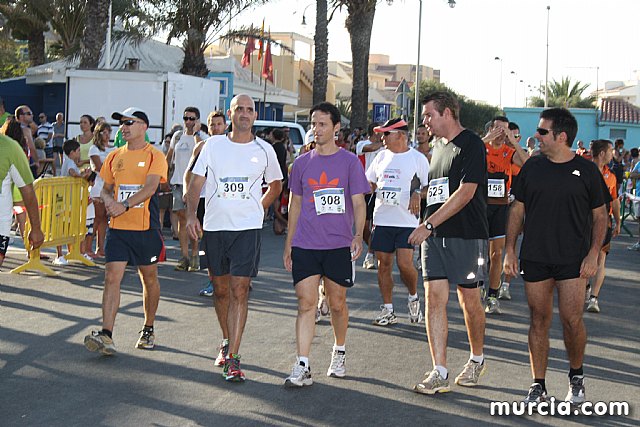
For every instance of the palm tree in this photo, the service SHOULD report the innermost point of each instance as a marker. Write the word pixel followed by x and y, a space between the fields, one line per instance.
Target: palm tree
pixel 67 19
pixel 565 94
pixel 95 32
pixel 321 47
pixel 359 23
pixel 27 20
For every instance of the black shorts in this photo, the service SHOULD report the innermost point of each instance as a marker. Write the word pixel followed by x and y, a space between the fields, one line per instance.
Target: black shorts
pixel 370 200
pixel 388 239
pixel 334 264
pixel 200 211
pixel 497 216
pixel 232 252
pixel 532 271
pixel 57 149
pixel 48 152
pixel 4 245
pixel 606 244
pixel 165 200
pixel 460 261
pixel 134 247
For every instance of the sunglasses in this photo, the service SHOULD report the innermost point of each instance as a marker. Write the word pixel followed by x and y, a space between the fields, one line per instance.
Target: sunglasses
pixel 129 122
pixel 389 132
pixel 517 135
pixel 543 131
pixel 187 119
pixel 28 113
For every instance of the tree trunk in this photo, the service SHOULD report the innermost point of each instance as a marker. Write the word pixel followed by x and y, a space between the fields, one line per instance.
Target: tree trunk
pixel 321 42
pixel 359 24
pixel 35 43
pixel 193 63
pixel 95 32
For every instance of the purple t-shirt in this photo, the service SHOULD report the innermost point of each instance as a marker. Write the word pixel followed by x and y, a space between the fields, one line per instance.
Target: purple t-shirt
pixel 312 172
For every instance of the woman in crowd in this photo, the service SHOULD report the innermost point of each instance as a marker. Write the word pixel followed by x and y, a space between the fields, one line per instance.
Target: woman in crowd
pixel 87 125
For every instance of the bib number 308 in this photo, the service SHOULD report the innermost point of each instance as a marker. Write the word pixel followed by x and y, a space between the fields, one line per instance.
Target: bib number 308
pixel 329 201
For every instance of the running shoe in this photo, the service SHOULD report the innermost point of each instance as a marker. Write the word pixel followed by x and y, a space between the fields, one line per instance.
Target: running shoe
pixel 385 317
pixel 587 294
pixel 183 264
pixel 483 294
pixel 146 340
pixel 432 383
pixel 536 394
pixel 232 371
pixel 575 396
pixel 471 374
pixel 317 315
pixel 323 306
pixel 61 260
pixel 194 263
pixel 493 306
pixel 593 306
pixel 337 367
pixel 300 376
pixel 207 291
pixel 98 341
pixel 415 312
pixel 222 353
pixel 369 262
pixel 503 292
pixel 634 247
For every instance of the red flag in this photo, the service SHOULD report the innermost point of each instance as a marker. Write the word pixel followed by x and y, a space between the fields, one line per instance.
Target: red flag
pixel 267 64
pixel 249 48
pixel 261 42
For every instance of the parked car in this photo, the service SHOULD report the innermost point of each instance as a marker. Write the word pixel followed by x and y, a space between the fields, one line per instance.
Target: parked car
pixel 296 132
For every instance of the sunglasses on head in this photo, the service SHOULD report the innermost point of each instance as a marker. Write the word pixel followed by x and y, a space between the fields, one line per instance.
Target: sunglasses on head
pixel 187 118
pixel 128 122
pixel 543 131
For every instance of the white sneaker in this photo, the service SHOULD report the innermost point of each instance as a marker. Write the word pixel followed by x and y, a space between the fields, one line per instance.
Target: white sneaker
pixel 369 262
pixel 300 376
pixel 386 316
pixel 415 312
pixel 61 260
pixel 337 367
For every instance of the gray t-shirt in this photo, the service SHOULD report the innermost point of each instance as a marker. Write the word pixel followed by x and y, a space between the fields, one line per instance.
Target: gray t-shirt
pixel 67 166
pixel 57 141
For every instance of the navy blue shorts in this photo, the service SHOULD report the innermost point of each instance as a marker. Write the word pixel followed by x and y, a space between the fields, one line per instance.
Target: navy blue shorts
pixel 134 247
pixel 388 239
pixel 232 252
pixel 334 264
pixel 538 271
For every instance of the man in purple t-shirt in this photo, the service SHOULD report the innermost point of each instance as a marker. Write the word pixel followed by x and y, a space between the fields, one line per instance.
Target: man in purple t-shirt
pixel 327 197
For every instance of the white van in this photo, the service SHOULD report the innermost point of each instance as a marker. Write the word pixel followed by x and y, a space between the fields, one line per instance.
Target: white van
pixel 296 132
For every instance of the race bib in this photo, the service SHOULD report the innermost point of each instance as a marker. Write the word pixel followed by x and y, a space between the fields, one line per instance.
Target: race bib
pixel 127 190
pixel 389 195
pixel 438 191
pixel 329 201
pixel 234 188
pixel 495 188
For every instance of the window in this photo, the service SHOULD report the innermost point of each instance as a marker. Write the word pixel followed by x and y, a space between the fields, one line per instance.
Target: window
pixel 617 134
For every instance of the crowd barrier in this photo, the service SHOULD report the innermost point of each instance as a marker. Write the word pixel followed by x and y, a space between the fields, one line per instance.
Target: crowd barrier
pixel 63 212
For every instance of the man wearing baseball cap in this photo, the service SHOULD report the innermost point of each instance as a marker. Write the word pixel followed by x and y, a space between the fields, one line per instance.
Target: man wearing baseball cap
pixel 131 177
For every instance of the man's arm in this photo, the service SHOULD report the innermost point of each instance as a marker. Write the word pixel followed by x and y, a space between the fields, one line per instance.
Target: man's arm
pixel 514 226
pixel 32 147
pixel 188 173
pixel 272 193
pixel 520 156
pixel 295 205
pixel 360 217
pixel 373 146
pixel 590 263
pixel 31 204
pixel 194 228
pixel 615 206
pixel 117 208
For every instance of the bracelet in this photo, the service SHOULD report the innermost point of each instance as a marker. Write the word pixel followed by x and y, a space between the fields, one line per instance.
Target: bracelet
pixel 418 191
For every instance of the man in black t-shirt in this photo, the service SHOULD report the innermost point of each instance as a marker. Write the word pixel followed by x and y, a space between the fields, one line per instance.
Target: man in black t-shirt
pixel 454 238
pixel 560 195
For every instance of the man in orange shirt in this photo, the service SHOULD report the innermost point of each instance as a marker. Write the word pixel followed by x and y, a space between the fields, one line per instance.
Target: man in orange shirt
pixel 602 152
pixel 131 177
pixel 503 150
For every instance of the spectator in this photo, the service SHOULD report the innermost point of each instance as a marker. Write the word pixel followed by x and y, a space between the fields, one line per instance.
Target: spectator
pixel 58 139
pixel 87 126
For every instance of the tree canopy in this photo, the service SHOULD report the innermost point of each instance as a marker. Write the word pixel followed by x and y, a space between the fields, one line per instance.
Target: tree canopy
pixel 565 94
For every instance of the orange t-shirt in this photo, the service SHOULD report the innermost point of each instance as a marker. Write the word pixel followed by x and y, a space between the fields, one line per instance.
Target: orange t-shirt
pixel 128 171
pixel 610 180
pixel 499 162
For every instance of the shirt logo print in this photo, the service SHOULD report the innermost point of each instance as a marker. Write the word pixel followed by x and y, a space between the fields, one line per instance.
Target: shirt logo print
pixel 576 172
pixel 322 183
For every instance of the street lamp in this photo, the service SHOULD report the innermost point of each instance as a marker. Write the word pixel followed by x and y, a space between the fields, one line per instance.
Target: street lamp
pixel 304 20
pixel 416 85
pixel 497 58
pixel 515 88
pixel 546 76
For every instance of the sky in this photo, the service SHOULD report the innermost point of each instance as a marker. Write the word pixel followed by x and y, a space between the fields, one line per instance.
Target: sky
pixel 588 39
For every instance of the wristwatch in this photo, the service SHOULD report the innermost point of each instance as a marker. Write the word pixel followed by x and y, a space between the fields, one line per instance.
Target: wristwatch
pixel 126 205
pixel 428 226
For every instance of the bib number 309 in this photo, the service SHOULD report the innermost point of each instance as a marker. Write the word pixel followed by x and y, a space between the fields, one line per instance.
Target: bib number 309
pixel 234 188
pixel 329 201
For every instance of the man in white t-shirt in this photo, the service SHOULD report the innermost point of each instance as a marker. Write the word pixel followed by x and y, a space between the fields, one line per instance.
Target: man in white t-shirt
pixel 179 154
pixel 366 150
pixel 233 167
pixel 397 174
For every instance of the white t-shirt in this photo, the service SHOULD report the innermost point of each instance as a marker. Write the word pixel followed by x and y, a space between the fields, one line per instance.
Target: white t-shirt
pixel 368 156
pixel 234 174
pixel 98 183
pixel 182 150
pixel 396 175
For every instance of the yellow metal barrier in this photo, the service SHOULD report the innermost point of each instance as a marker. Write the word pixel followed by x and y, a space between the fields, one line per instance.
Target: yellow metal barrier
pixel 63 212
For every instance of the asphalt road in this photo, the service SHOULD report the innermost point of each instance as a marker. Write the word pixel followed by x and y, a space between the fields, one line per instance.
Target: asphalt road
pixel 47 377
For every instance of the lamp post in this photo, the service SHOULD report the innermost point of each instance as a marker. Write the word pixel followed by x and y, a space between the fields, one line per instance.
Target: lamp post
pixel 546 74
pixel 416 85
pixel 515 88
pixel 524 96
pixel 304 20
pixel 497 58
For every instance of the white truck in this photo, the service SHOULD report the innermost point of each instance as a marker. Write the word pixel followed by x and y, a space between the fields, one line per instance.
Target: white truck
pixel 162 95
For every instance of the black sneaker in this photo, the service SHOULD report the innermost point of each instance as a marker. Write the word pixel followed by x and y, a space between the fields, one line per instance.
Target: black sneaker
pixel 536 394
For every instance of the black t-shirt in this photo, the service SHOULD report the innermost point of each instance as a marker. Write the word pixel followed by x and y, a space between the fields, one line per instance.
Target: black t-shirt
pixel 462 160
pixel 281 154
pixel 558 199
